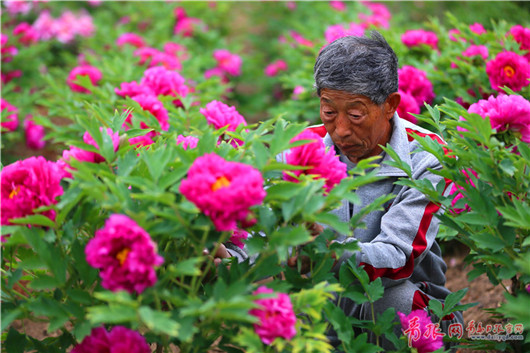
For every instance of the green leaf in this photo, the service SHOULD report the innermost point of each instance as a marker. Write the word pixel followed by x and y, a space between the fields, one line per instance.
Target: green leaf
pixel 507 166
pixel 9 316
pixel 436 307
pixel 44 282
pixel 159 322
pixel 111 314
pixel 15 342
pixel 37 220
pixel 333 221
pixel 283 191
pixel 188 267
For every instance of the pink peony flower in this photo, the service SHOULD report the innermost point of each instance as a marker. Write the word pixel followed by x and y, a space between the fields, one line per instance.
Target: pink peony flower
pixel 237 237
pixel 228 62
pixel 92 72
pixel 131 89
pixel 338 5
pixel 408 105
pixel 297 91
pixel 522 36
pixel 291 5
pixel 187 141
pixel 28 184
pixel 338 31
pixel 176 49
pixel 477 28
pixel 415 82
pixel 508 69
pixel 421 332
pixel 27 34
pixel 186 26
pixel 276 315
pixel 299 39
pixel 380 16
pixel 7 51
pixel 165 82
pixel 275 67
pixel 132 39
pixel 141 141
pixel 456 190
pixel 418 37
pixel 119 340
pixel 217 72
pixel 322 164
pixel 222 190
pixel 476 50
pixel 7 77
pixel 125 254
pixel 15 7
pixel 34 134
pixel 154 57
pixel 220 115
pixel 151 104
pixel 506 112
pixel 11 120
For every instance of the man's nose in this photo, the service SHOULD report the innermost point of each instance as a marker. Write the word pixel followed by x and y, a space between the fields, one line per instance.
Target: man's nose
pixel 342 127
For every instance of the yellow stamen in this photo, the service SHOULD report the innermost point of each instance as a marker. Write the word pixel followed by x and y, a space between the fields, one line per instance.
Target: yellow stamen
pixel 509 71
pixel 221 182
pixel 122 255
pixel 14 192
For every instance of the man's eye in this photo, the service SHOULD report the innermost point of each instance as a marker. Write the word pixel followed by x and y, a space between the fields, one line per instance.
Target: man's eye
pixel 355 116
pixel 329 113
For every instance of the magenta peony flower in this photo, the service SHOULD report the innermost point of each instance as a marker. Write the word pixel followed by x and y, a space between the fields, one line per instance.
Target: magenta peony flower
pixel 380 16
pixel 276 315
pixel 418 37
pixel 408 105
pixel 297 91
pixel 323 164
pixel 15 7
pixel 222 190
pixel 415 82
pixel 131 89
pixel 456 190
pixel 115 136
pixel 187 141
pixel 508 69
pixel 7 77
pixel 34 134
pixel 151 104
pixel 165 82
pixel 141 141
pixel 476 50
pixel 228 62
pixel 176 49
pixel 119 340
pixel 11 122
pixel 217 72
pixel 477 28
pixel 338 31
pixel 125 254
pixel 27 34
pixel 506 112
pixel 220 115
pixel 185 26
pixel 84 70
pixel 28 184
pixel 275 67
pixel 301 40
pixel 338 5
pixel 522 36
pixel 237 237
pixel 154 57
pixel 7 51
pixel 420 331
pixel 131 39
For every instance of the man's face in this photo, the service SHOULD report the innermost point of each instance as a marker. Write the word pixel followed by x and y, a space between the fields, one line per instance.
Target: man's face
pixel 356 124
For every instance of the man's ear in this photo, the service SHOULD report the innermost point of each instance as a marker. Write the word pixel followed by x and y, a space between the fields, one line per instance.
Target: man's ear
pixel 391 104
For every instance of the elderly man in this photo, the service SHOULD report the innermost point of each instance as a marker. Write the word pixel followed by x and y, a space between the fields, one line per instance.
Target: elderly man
pixel 357 81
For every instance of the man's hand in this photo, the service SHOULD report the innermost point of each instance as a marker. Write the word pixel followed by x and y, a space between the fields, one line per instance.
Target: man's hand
pixel 219 255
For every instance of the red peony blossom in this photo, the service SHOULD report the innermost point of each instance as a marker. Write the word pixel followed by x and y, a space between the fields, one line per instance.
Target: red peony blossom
pixel 506 112
pixel 415 82
pixel 119 340
pixel 131 89
pixel 276 315
pixel 154 57
pixel 28 184
pixel 11 120
pixel 322 164
pixel 187 141
pixel 476 50
pixel 477 28
pixel 34 134
pixel 228 62
pixel 141 141
pixel 522 36
pixel 220 115
pixel 222 190
pixel 421 332
pixel 165 82
pixel 275 67
pixel 418 37
pixel 408 105
pixel 125 254
pixel 380 16
pixel 508 69
pixel 7 51
pixel 131 39
pixel 92 72
pixel 237 237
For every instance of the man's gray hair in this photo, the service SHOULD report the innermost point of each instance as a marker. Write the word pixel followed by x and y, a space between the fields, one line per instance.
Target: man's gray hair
pixel 358 65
